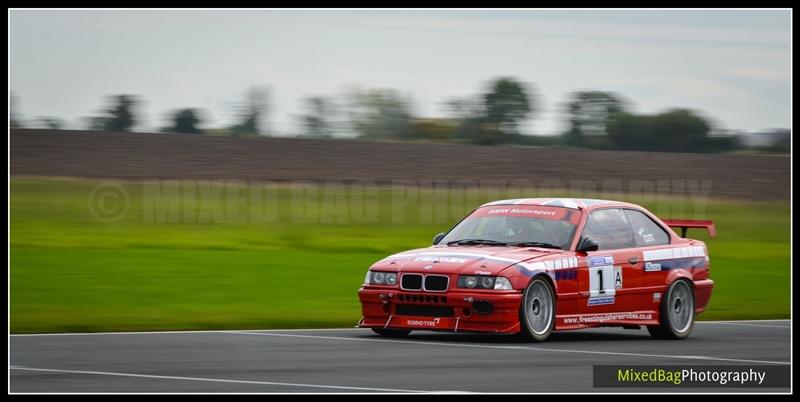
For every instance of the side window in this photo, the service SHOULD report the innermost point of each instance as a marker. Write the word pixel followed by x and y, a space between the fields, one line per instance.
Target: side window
pixel 645 231
pixel 609 228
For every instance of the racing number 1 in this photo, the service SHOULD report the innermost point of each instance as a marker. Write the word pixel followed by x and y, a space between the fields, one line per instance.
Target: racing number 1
pixel 600 283
pixel 601 280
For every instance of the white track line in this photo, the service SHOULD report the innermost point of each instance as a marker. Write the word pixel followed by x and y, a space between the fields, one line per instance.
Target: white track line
pixel 169 377
pixel 744 325
pixel 762 320
pixel 472 345
pixel 211 331
pixel 289 330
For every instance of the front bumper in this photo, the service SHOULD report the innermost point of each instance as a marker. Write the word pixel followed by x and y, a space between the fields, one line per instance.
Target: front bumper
pixel 456 310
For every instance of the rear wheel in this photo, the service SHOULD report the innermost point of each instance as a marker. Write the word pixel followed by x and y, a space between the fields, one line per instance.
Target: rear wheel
pixel 538 310
pixel 391 333
pixel 677 312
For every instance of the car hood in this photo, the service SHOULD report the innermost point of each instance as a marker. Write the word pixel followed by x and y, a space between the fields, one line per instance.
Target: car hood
pixel 463 260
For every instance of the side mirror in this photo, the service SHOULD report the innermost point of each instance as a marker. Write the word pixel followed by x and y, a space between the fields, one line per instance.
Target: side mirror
pixel 438 238
pixel 587 244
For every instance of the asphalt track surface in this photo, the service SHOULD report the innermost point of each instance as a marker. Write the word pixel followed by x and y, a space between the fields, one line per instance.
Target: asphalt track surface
pixel 351 360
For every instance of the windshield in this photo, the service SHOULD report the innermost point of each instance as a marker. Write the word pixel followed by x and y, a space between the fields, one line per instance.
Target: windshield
pixel 523 225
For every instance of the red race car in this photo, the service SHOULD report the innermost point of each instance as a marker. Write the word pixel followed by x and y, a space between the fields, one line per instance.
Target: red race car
pixel 532 266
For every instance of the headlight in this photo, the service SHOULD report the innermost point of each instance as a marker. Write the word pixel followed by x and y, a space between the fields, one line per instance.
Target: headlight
pixel 470 281
pixel 484 282
pixel 479 282
pixel 381 278
pixel 502 283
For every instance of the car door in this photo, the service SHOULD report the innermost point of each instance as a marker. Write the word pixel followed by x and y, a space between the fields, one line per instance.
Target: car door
pixel 653 242
pixel 609 277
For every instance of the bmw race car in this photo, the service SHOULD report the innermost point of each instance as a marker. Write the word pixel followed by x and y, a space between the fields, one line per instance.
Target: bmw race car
pixel 532 266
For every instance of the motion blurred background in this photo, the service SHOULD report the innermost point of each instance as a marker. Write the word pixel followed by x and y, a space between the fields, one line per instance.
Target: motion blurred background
pixel 243 169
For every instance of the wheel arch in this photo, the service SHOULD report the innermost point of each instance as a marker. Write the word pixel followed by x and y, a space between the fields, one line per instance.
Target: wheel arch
pixel 548 277
pixel 676 275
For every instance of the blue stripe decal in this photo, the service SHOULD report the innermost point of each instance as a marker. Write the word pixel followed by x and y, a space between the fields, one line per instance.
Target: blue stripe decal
pixel 566 274
pixel 687 263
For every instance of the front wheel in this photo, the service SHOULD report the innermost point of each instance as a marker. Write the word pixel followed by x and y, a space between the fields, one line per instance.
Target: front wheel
pixel 538 310
pixel 391 333
pixel 677 312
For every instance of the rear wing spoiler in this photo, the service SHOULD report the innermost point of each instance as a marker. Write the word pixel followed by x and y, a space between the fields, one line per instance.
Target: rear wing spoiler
pixel 685 224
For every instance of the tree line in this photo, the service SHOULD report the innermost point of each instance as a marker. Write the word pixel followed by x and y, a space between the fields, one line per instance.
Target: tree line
pixel 596 119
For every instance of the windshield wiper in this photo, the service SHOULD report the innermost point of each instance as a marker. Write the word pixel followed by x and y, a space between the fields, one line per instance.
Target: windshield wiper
pixel 534 244
pixel 477 241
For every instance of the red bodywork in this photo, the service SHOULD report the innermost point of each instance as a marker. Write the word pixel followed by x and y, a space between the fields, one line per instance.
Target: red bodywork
pixel 644 275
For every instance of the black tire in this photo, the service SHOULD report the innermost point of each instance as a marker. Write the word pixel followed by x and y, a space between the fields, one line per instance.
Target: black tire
pixel 537 310
pixel 391 333
pixel 676 312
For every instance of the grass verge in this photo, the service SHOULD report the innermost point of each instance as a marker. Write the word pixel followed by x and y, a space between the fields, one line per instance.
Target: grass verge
pixel 189 255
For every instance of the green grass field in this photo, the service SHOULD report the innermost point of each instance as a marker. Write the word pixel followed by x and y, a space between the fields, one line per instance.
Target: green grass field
pixel 209 257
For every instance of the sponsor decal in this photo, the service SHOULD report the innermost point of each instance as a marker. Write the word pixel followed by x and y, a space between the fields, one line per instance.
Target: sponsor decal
pixel 537 211
pixel 601 300
pixel 597 260
pixel 482 273
pixel 651 266
pixel 656 297
pixel 617 277
pixel 604 317
pixel 519 211
pixel 423 323
pixel 685 263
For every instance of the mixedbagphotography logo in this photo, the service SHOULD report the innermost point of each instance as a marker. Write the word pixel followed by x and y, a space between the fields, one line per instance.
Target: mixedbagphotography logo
pixel 765 376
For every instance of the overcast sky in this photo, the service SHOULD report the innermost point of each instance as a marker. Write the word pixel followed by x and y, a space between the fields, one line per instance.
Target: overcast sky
pixel 733 66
